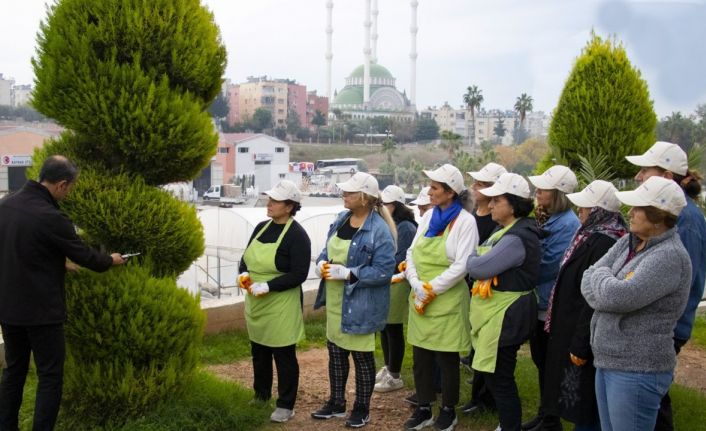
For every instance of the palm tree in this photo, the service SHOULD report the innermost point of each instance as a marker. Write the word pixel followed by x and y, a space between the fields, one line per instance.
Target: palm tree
pixel 473 98
pixel 389 148
pixel 450 142
pixel 522 106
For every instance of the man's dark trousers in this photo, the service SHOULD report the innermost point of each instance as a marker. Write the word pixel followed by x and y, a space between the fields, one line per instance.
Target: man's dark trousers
pixel 46 343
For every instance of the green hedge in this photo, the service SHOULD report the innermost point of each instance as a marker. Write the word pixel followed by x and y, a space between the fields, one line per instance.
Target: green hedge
pixel 131 338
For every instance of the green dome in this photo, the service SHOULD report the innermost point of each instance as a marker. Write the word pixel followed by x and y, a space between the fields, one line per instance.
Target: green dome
pixel 376 71
pixel 349 96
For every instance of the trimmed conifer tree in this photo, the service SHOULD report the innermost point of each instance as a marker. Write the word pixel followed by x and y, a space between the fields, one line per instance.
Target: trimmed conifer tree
pixel 604 109
pixel 131 81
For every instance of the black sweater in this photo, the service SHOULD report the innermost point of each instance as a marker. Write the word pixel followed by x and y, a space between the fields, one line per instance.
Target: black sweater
pixel 292 257
pixel 35 240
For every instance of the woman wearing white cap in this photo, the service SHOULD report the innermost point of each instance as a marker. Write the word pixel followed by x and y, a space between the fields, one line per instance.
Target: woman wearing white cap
pixel 503 308
pixel 422 202
pixel 558 224
pixel 569 379
pixel 638 291
pixel 355 269
pixel 273 267
pixel 438 325
pixel 668 160
pixel 392 337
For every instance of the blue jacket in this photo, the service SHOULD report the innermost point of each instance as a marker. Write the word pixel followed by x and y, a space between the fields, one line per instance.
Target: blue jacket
pixel 371 259
pixel 692 231
pixel 560 228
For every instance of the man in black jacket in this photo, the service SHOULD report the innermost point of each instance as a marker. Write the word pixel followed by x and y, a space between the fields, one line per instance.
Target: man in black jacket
pixel 36 239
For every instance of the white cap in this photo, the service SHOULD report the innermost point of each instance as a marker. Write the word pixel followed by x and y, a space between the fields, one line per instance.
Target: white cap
pixel 558 177
pixel 657 192
pixel 597 194
pixel 391 194
pixel 488 173
pixel 665 155
pixel 423 197
pixel 285 190
pixel 510 183
pixel 449 175
pixel 361 182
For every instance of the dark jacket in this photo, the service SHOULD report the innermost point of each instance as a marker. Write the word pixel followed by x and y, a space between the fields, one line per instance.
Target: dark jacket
pixel 569 390
pixel 35 240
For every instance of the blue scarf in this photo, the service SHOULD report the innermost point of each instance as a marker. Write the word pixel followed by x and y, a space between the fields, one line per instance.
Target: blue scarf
pixel 440 219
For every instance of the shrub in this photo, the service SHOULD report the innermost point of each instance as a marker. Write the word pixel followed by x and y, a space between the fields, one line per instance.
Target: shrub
pixel 605 106
pixel 131 339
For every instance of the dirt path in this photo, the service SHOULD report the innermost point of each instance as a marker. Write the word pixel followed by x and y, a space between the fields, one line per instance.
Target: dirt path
pixel 389 411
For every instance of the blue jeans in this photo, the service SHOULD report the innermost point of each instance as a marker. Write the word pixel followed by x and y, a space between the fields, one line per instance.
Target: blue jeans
pixel 629 401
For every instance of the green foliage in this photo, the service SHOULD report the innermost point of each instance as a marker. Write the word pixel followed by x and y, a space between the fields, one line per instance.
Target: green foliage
pixel 499 130
pixel 219 107
pixel 261 120
pixel 594 166
pixel 131 337
pixel 605 105
pixel 133 80
pixel 523 104
pixel 319 119
pixel 427 129
pixel 389 148
pixel 450 142
pixel 698 335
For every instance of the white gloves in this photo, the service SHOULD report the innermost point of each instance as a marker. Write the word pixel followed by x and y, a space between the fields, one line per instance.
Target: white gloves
pixel 397 278
pixel 319 270
pixel 336 272
pixel 259 289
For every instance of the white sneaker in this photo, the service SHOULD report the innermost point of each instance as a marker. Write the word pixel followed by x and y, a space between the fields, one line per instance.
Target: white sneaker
pixel 389 384
pixel 281 415
pixel 382 373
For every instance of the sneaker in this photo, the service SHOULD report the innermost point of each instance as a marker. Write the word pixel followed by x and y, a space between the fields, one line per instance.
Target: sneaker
pixel 381 374
pixel 389 384
pixel 499 428
pixel 474 407
pixel 281 415
pixel 534 424
pixel 412 399
pixel 447 419
pixel 421 418
pixel 330 410
pixel 358 418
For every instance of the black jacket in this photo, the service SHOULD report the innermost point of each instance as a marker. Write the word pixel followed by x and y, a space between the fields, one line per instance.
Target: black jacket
pixel 35 240
pixel 569 390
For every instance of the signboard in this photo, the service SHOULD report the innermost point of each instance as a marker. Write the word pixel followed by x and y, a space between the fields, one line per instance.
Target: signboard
pixel 263 157
pixel 14 160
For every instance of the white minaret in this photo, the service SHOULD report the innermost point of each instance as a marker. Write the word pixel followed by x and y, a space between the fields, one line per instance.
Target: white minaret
pixel 366 52
pixel 413 54
pixel 374 37
pixel 329 52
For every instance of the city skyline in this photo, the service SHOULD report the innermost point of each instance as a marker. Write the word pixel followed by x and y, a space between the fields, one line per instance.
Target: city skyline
pixel 505 48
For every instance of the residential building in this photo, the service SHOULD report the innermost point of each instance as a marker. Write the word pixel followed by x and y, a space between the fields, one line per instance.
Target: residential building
pixel 21 95
pixel 6 90
pixel 233 95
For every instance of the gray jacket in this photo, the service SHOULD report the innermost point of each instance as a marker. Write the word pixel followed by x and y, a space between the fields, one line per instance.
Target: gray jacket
pixel 637 304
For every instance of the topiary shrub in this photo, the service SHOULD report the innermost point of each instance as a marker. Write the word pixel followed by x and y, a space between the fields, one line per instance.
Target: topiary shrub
pixel 130 80
pixel 605 106
pixel 131 338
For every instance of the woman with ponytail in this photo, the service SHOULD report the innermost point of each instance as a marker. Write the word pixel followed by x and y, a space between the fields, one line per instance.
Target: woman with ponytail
pixel 355 268
pixel 438 326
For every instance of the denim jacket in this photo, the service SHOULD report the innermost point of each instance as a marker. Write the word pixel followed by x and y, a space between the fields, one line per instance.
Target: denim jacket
pixel 561 228
pixel 371 259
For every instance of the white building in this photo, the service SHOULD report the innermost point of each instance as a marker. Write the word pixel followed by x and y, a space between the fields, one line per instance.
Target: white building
pixel 21 95
pixel 6 90
pixel 264 156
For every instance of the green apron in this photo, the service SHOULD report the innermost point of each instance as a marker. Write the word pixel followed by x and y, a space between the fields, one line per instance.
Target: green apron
pixel 274 319
pixel 337 249
pixel 399 304
pixel 487 315
pixel 444 326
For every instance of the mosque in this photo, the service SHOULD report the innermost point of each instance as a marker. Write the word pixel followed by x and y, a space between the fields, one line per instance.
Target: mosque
pixel 370 89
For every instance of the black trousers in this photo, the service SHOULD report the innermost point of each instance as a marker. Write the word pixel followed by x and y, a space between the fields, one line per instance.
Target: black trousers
pixel 392 343
pixel 287 373
pixel 538 349
pixel 46 343
pixel 665 419
pixel 338 367
pixel 448 362
pixel 504 388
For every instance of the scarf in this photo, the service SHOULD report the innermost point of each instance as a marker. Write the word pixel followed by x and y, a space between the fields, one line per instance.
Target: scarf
pixel 441 218
pixel 599 220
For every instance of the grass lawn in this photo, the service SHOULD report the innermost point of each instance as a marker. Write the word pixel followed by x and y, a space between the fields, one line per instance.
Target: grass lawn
pixel 698 336
pixel 207 403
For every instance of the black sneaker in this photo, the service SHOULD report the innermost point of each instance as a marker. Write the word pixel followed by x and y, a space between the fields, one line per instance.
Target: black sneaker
pixel 447 419
pixel 412 399
pixel 534 424
pixel 358 418
pixel 421 418
pixel 330 410
pixel 473 407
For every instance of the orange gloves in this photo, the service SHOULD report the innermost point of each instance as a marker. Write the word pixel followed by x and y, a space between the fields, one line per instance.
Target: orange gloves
pixel 483 287
pixel 576 360
pixel 244 281
pixel 423 295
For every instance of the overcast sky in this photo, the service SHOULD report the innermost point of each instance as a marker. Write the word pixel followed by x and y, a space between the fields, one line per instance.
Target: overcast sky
pixel 505 47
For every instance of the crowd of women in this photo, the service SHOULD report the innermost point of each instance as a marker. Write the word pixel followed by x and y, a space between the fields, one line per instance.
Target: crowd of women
pixel 605 306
